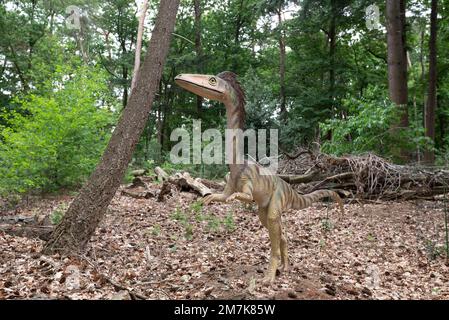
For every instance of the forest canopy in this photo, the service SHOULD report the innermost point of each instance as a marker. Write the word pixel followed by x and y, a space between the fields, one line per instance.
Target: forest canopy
pixel 318 70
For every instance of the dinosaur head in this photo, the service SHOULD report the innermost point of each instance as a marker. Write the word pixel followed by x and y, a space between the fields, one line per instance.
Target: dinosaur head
pixel 206 86
pixel 222 87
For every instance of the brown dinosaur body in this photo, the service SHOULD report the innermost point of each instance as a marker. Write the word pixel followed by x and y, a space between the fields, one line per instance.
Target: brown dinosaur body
pixel 249 181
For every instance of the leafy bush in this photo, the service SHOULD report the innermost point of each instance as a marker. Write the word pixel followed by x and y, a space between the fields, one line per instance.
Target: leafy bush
pixel 369 128
pixel 59 139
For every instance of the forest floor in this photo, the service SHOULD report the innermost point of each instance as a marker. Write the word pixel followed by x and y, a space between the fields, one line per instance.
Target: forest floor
pixel 177 250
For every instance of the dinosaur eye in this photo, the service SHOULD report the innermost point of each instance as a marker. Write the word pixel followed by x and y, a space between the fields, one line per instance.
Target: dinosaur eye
pixel 213 81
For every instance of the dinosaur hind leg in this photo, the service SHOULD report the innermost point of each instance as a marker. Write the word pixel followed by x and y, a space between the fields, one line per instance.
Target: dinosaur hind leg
pixel 284 253
pixel 263 216
pixel 274 230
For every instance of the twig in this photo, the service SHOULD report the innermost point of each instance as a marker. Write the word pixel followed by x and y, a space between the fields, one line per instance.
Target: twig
pixel 119 286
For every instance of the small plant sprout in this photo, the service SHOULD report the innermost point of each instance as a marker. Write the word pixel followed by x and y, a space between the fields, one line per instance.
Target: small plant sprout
pixel 213 223
pixel 156 230
pixel 57 214
pixel 196 207
pixel 228 222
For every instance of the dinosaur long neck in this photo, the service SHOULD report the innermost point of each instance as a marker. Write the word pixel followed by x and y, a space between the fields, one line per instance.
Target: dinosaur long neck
pixel 235 115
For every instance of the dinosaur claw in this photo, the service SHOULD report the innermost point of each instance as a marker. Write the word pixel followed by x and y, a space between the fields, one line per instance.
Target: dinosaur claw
pixel 268 280
pixel 285 267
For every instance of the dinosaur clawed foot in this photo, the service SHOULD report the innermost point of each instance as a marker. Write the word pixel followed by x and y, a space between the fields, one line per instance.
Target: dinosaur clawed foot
pixel 269 278
pixel 232 197
pixel 213 197
pixel 207 199
pixel 285 267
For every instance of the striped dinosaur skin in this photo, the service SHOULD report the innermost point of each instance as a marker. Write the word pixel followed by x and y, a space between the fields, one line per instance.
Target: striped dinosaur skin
pixel 249 181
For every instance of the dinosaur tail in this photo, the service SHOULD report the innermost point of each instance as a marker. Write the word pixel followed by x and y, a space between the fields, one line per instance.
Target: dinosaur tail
pixel 303 201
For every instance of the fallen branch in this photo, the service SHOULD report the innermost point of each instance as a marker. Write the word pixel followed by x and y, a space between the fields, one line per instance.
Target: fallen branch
pixel 17 219
pixel 41 232
pixel 185 182
pixel 161 174
pixel 341 176
pixel 145 194
pixel 295 179
pixel 117 286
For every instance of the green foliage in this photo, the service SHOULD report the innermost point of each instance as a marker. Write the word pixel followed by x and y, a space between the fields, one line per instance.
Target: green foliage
pixel 367 127
pixel 196 207
pixel 213 223
pixel 228 222
pixel 58 84
pixel 188 231
pixel 128 178
pixel 58 143
pixel 179 215
pixel 57 214
pixel 156 230
pixel 326 225
pixel 183 218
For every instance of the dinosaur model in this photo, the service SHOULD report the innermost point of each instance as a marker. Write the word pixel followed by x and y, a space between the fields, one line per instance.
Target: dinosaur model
pixel 249 181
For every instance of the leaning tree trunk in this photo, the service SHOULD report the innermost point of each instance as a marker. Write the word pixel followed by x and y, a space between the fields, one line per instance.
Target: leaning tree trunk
pixel 87 210
pixel 397 60
pixel 429 156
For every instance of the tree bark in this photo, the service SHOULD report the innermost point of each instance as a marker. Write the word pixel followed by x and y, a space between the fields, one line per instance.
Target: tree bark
pixel 332 49
pixel 87 210
pixel 140 30
pixel 282 56
pixel 429 155
pixel 397 60
pixel 198 49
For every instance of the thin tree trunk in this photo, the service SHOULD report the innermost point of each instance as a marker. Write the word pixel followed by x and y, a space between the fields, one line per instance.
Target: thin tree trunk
pixel 87 210
pixel 198 49
pixel 282 56
pixel 429 155
pixel 125 85
pixel 238 26
pixel 140 30
pixel 332 49
pixel 397 61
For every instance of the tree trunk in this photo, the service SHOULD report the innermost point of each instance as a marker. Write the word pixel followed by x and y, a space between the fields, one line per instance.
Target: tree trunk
pixel 87 210
pixel 140 30
pixel 198 49
pixel 125 85
pixel 397 60
pixel 429 156
pixel 282 56
pixel 332 49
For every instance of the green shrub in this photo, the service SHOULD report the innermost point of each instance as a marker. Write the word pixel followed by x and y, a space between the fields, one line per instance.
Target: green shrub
pixel 57 214
pixel 60 139
pixel 368 128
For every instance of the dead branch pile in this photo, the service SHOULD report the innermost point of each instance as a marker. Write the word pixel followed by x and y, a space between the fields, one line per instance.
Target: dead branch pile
pixel 140 187
pixel 365 176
